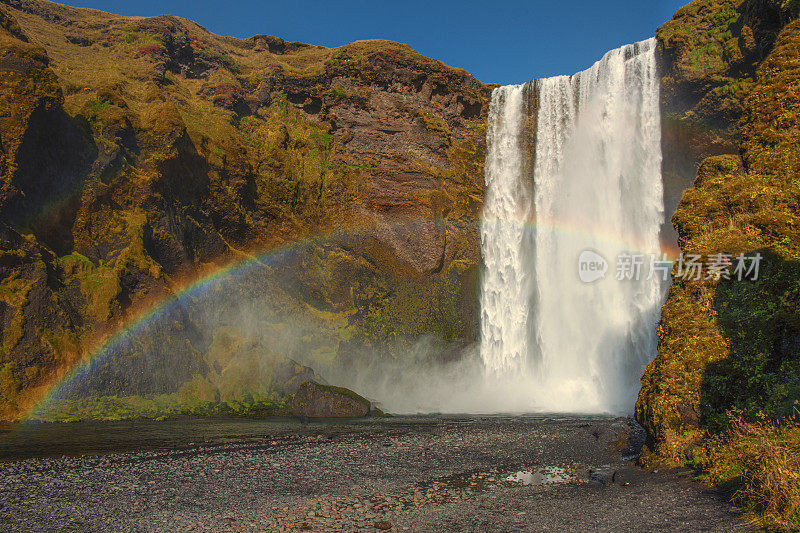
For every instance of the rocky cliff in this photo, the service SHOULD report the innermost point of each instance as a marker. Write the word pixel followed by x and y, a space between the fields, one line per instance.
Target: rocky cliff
pixel 138 155
pixel 708 56
pixel 729 349
pixel 722 395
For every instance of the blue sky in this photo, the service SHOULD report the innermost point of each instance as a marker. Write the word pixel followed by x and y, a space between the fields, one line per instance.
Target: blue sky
pixel 499 42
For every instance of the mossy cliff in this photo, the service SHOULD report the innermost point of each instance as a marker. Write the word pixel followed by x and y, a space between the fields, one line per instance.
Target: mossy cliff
pixel 139 154
pixel 729 350
pixel 708 56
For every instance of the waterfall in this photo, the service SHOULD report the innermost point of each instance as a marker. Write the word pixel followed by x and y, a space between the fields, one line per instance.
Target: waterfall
pixel 590 183
pixel 505 239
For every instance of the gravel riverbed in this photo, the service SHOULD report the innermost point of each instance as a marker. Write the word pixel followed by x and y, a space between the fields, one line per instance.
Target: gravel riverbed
pixel 434 474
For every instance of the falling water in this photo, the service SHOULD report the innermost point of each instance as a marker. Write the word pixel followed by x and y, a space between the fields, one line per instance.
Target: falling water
pixel 505 238
pixel 594 184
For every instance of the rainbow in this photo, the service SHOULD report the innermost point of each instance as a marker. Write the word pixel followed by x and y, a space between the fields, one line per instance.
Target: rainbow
pixel 136 324
pixel 140 321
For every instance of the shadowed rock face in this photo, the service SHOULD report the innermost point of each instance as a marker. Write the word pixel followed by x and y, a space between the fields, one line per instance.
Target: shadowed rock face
pixel 313 400
pixel 138 154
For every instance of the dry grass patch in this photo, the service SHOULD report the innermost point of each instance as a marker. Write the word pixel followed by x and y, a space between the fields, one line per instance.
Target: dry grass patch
pixel 762 460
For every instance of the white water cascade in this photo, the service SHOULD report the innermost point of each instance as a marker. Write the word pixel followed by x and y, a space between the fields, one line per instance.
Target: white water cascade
pixel 591 182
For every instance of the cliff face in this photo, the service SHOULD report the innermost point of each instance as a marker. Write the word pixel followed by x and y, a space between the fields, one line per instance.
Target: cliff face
pixel 730 89
pixel 138 154
pixel 708 56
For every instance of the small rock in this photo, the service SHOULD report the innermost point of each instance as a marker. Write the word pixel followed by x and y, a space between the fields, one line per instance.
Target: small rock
pixel 383 525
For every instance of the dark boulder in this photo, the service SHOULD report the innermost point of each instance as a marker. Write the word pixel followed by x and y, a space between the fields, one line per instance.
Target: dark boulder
pixel 314 400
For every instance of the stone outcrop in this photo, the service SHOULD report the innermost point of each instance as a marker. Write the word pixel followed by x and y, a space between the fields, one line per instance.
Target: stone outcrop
pixel 313 400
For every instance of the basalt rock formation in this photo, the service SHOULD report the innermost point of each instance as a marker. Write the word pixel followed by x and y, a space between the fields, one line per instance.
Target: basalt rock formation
pixel 140 154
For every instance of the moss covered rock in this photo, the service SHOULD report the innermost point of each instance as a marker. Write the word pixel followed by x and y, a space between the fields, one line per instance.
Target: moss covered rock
pixel 314 400
pixel 708 55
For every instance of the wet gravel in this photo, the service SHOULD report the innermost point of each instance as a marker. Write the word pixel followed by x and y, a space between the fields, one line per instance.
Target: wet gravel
pixel 446 475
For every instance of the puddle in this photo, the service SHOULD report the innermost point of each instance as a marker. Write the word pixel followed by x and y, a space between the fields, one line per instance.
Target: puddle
pixel 477 482
pixel 541 476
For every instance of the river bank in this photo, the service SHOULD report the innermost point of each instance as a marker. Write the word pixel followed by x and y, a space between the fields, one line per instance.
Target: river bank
pixel 400 474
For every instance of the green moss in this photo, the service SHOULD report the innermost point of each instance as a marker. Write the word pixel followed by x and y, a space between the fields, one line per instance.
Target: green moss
pixel 704 29
pixel 100 283
pixel 434 123
pixel 155 407
pixel 344 392
pixel 398 312
pixel 224 59
pixel 14 292
pixel 761 320
pixel 98 105
pixel 140 38
pixel 357 96
pixel 297 173
pixel 463 179
pixel 100 286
